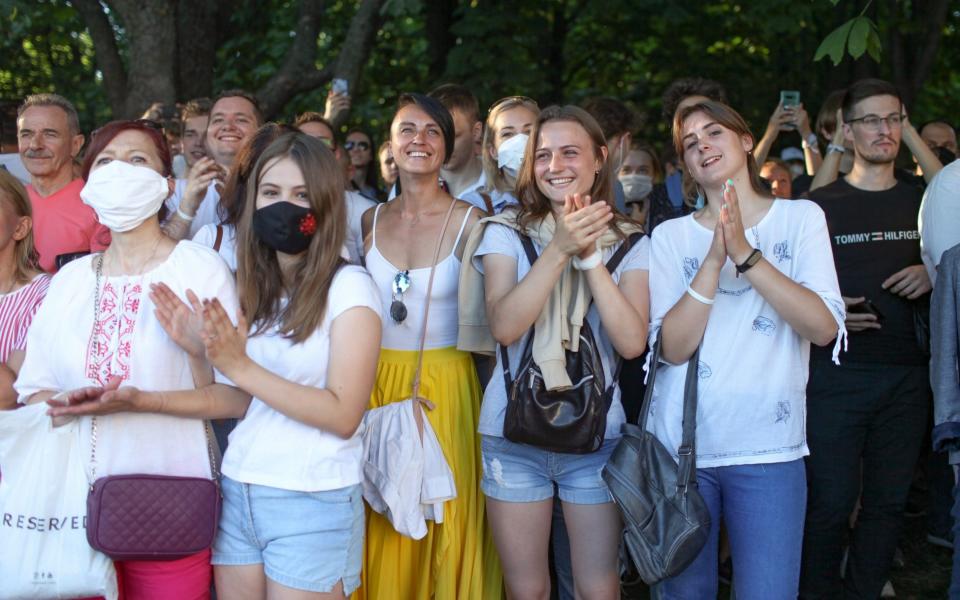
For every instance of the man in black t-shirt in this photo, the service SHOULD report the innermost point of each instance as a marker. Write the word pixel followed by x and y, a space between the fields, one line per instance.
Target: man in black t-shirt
pixel 867 418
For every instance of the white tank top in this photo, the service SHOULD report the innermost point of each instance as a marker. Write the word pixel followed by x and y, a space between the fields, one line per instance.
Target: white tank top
pixel 442 328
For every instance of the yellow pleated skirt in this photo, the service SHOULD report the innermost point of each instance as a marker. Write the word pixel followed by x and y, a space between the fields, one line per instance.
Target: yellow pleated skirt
pixel 457 559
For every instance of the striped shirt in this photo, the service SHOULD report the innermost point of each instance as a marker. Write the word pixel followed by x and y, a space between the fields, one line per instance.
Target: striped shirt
pixel 16 313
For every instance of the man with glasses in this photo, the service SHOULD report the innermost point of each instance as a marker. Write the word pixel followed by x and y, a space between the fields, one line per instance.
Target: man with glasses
pixel 866 418
pixel 234 118
pixel 49 139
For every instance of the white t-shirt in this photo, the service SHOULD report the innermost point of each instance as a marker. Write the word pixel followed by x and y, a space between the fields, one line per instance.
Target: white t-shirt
pixel 207 211
pixel 65 353
pixel 207 236
pixel 940 217
pixel 753 366
pixel 500 239
pixel 357 204
pixel 268 447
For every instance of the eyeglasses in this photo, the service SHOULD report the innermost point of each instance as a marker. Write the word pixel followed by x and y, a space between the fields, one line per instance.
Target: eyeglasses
pixel 872 122
pixel 513 100
pixel 400 284
pixel 361 145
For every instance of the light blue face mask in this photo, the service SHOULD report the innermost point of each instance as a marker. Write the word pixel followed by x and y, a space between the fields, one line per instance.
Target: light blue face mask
pixel 700 201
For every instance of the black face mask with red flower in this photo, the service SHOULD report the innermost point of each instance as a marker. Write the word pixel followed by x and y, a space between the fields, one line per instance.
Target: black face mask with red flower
pixel 285 227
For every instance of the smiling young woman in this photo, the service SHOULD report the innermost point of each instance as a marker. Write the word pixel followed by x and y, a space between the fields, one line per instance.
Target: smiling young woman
pixel 566 212
pixel 750 280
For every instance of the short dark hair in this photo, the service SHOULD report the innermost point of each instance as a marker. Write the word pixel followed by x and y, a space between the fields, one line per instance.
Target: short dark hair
pixel 867 88
pixel 239 93
pixel 198 107
pixel 457 97
pixel 437 111
pixel 614 117
pixel 690 86
pixel 937 122
pixel 827 117
pixel 73 121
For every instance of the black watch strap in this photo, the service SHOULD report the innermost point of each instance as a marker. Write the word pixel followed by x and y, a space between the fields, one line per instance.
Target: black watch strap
pixel 753 259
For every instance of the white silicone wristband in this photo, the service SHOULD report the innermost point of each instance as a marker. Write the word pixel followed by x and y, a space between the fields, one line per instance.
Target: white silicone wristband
pixel 585 264
pixel 185 216
pixel 699 297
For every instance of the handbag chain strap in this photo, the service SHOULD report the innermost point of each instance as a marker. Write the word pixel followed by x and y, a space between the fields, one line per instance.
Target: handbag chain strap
pixel 93 422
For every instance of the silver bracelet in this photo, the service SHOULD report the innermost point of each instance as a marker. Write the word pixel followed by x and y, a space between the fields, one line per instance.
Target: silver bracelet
pixel 698 296
pixel 185 216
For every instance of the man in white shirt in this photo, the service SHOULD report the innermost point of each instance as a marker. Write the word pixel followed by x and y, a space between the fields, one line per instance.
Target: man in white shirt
pixel 234 117
pixel 463 173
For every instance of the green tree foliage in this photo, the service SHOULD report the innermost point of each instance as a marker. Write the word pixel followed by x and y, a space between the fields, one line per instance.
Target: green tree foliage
pixel 556 51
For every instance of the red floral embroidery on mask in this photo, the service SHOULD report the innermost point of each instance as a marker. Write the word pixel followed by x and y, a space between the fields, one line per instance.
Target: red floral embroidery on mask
pixel 308 225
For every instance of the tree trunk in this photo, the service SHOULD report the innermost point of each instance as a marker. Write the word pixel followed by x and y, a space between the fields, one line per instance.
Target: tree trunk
pixel 151 27
pixel 438 16
pixel 912 67
pixel 198 36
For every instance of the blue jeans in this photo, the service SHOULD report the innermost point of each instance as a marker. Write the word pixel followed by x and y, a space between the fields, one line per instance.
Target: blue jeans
pixel 763 508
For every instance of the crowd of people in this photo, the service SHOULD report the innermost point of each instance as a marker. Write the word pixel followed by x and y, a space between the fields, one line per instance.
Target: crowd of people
pixel 352 326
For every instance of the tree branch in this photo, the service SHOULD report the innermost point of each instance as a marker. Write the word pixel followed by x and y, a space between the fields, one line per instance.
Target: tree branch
pixel 107 52
pixel 299 72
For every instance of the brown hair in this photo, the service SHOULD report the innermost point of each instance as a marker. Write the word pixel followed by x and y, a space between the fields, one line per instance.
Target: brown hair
pixel 458 97
pixel 645 146
pixel 259 278
pixel 491 171
pixel 534 204
pixel 238 93
pixel 25 254
pixel 231 205
pixel 728 118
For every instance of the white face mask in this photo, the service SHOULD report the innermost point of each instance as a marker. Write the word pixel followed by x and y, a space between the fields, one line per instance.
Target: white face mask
pixel 636 186
pixel 510 153
pixel 124 195
pixel 796 170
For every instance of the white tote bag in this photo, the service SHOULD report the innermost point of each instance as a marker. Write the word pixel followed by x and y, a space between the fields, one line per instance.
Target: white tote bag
pixel 43 507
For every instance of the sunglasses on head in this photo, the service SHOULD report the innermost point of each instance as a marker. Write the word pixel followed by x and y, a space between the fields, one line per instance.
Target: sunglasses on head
pixel 361 145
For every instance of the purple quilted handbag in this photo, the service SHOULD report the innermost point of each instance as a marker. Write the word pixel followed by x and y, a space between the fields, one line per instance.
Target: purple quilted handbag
pixel 152 517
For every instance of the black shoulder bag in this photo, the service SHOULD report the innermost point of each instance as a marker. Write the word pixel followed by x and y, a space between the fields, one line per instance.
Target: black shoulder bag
pixel 666 521
pixel 572 420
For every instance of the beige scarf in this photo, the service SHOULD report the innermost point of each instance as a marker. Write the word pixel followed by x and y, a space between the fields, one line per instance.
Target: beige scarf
pixel 557 328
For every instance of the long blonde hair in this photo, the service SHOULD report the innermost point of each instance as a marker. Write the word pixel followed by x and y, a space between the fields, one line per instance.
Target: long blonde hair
pixel 260 281
pixel 25 254
pixel 491 171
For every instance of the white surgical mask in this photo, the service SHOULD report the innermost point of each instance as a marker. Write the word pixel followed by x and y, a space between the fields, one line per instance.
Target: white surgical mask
pixel 796 170
pixel 124 195
pixel 636 186
pixel 510 153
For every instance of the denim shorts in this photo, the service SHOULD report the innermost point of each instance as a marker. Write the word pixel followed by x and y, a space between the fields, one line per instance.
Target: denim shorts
pixel 520 473
pixel 304 540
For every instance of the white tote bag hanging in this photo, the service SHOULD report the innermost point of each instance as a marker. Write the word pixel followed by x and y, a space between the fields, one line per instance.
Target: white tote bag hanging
pixel 43 507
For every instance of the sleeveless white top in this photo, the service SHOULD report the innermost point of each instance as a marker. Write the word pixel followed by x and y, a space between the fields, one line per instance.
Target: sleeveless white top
pixel 442 328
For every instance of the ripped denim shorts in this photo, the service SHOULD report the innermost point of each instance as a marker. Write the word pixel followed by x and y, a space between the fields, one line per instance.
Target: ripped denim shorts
pixel 520 473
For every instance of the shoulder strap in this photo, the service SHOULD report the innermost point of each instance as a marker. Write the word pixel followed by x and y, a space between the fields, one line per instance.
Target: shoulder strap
pixel 531 253
pixel 687 471
pixel 621 252
pixel 463 226
pixel 219 240
pixel 487 202
pixel 373 226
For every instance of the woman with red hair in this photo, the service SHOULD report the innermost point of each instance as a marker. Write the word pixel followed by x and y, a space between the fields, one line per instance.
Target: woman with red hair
pixel 113 319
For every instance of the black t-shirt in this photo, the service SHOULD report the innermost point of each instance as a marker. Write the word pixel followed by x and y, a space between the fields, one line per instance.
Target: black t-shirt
pixel 874 235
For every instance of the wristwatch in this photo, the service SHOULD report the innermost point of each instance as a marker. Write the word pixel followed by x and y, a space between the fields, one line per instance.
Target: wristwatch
pixel 831 147
pixel 753 259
